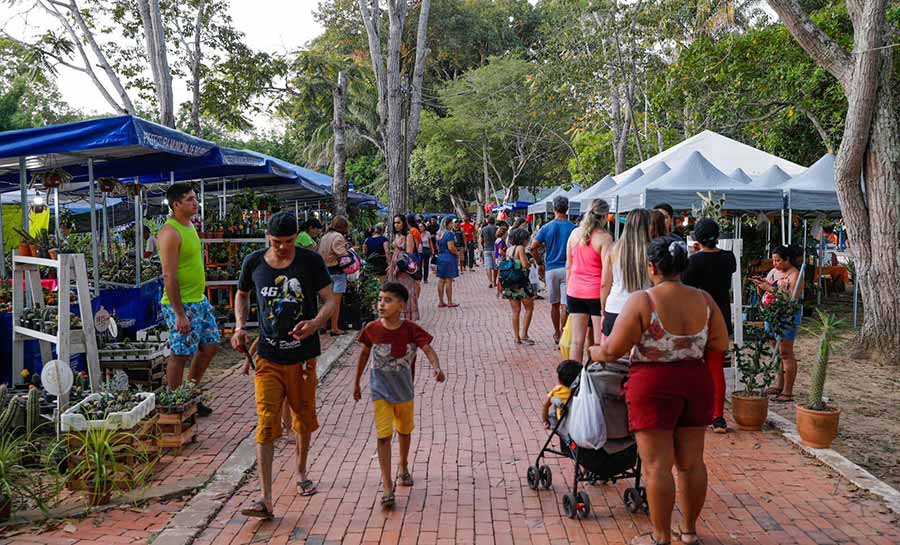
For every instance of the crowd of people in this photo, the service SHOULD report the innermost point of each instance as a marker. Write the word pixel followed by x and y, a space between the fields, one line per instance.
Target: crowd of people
pixel 646 297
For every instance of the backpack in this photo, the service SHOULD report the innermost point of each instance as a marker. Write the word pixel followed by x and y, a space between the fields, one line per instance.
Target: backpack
pixel 511 277
pixel 409 265
pixel 350 263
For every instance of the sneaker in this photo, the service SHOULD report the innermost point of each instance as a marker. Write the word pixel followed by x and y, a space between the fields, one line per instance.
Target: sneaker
pixel 719 425
pixel 203 411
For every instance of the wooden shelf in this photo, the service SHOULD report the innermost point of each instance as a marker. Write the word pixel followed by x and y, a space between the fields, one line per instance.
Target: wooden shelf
pixel 76 341
pixel 35 261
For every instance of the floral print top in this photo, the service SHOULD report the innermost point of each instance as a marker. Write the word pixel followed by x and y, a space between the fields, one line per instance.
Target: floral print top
pixel 658 345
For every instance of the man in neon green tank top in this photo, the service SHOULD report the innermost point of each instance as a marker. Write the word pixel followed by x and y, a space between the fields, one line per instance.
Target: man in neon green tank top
pixel 193 332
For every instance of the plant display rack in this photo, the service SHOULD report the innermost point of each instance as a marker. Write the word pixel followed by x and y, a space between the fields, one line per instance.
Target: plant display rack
pixel 233 263
pixel 178 425
pixel 27 288
pixel 143 362
pixel 71 420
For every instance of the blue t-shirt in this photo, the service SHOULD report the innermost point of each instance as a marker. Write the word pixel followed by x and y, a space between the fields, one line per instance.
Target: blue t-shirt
pixel 555 236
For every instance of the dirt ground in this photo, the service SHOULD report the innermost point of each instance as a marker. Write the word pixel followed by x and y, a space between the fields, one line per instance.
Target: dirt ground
pixel 867 392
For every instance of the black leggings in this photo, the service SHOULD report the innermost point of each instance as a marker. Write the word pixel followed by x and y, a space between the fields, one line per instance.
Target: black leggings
pixel 470 255
pixel 426 265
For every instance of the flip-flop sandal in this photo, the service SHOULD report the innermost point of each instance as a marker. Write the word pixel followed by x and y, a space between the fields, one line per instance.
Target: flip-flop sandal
pixel 307 488
pixel 442 305
pixel 406 479
pixel 258 510
pixel 653 540
pixel 678 533
pixel 388 500
pixel 782 398
pixel 454 305
pixel 773 391
pixel 529 342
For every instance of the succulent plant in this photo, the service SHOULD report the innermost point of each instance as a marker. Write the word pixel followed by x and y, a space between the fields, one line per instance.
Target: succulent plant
pixel 828 324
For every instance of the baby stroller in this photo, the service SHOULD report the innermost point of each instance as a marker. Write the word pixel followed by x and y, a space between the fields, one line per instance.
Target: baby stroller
pixel 617 459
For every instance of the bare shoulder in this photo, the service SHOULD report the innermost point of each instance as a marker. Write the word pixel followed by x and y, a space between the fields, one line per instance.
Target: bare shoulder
pixel 168 235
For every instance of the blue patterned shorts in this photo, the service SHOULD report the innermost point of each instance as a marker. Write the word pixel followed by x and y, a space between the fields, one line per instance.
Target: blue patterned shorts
pixel 204 329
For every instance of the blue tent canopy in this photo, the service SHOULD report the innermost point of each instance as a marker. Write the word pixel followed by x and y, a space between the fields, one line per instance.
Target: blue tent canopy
pixel 107 139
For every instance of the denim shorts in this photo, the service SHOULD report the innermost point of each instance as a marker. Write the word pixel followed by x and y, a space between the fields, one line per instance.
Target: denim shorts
pixel 204 329
pixel 791 333
pixel 339 283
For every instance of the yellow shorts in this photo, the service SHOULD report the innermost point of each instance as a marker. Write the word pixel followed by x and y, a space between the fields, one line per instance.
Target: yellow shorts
pixel 276 383
pixel 391 416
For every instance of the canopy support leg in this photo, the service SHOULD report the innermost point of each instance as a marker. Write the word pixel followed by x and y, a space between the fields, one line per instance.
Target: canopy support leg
pixel 23 192
pixel 202 206
pixel 138 237
pixel 105 217
pixel 783 239
pixel 95 250
pixel 768 239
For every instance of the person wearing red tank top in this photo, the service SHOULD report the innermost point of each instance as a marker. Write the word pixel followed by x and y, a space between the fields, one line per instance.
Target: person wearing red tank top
pixel 585 249
pixel 669 391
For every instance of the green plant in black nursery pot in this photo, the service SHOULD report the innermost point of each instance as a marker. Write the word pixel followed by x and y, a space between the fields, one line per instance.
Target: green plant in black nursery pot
pixel 758 362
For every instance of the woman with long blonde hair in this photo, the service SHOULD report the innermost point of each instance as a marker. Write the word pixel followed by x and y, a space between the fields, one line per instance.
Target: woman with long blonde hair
pixel 584 272
pixel 625 267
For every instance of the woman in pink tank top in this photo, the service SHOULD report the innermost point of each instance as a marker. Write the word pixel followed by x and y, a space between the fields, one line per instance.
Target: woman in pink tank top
pixel 669 392
pixel 585 249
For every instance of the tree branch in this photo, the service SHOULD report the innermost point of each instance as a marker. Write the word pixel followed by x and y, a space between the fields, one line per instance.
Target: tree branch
pixel 824 50
pixel 823 134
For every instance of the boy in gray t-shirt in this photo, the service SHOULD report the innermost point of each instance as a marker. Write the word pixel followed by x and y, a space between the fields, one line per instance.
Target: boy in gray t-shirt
pixel 392 343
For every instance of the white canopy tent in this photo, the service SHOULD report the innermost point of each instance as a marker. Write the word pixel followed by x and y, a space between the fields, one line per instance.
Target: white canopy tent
pixel 723 152
pixel 584 200
pixel 696 174
pixel 815 189
pixel 773 177
pixel 545 205
pixel 741 176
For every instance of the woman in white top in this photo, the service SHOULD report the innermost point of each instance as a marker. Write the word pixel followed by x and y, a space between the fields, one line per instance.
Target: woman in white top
pixel 625 267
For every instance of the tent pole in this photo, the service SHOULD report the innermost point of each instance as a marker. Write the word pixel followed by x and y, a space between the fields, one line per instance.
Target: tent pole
pixel 56 210
pixel 23 192
pixel 95 251
pixel 821 262
pixel 2 247
pixel 616 218
pixel 224 197
pixel 138 235
pixel 297 213
pixel 783 240
pixel 202 206
pixel 768 237
pixel 105 237
pixel 855 298
pixel 790 227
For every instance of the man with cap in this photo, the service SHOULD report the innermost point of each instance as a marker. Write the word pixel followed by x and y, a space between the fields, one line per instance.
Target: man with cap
pixel 288 281
pixel 710 269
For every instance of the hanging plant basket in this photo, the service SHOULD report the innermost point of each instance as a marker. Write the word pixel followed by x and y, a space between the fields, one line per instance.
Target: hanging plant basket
pixel 108 185
pixel 55 178
pixel 134 190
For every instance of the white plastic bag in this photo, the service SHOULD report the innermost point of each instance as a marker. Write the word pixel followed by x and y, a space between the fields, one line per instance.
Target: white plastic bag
pixel 585 423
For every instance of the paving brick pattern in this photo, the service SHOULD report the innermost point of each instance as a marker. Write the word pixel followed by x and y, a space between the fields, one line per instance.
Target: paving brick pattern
pixel 475 436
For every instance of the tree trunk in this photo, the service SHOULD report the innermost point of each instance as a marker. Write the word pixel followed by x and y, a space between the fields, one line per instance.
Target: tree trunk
pixel 459 205
pixel 480 200
pixel 155 43
pixel 621 128
pixel 869 150
pixel 196 59
pixel 340 187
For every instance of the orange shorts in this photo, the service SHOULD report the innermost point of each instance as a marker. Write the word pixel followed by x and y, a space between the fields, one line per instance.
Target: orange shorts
pixel 276 382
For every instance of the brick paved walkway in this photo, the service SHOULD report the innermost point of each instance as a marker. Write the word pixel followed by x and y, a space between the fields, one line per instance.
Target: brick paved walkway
pixel 475 436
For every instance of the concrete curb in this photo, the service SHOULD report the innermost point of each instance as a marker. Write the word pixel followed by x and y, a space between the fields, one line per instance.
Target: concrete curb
pixel 850 471
pixel 193 518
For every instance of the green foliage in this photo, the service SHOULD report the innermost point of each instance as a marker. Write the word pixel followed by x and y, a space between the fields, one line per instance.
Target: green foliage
pixel 827 325
pixel 188 391
pixel 99 460
pixel 756 360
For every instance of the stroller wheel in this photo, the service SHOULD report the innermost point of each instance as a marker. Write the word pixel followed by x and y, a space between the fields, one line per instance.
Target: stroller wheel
pixel 582 504
pixel 545 476
pixel 533 477
pixel 645 505
pixel 633 500
pixel 569 508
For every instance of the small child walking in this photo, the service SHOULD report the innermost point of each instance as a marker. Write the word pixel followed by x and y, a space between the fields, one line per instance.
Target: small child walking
pixel 566 372
pixel 392 342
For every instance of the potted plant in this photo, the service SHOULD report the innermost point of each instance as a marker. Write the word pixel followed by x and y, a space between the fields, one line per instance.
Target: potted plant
pixel 43 243
pixel 107 184
pixel 16 479
pixel 101 460
pixel 54 178
pixel 26 243
pixel 758 363
pixel 817 422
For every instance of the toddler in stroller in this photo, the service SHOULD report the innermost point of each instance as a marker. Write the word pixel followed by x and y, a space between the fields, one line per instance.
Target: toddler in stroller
pixel 616 459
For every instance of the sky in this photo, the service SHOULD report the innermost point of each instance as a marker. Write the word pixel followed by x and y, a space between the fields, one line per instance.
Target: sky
pixel 269 25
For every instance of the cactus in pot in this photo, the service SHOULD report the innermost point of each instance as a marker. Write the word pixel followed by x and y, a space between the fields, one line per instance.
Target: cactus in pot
pixel 32 411
pixel 817 423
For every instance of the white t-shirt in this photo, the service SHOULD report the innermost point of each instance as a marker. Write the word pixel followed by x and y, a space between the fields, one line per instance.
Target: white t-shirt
pixel 151 245
pixel 618 295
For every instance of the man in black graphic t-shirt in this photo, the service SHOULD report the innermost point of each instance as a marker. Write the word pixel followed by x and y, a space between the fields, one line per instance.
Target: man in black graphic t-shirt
pixel 287 281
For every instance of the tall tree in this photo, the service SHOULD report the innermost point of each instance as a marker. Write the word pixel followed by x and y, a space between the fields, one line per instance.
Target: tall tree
pixel 869 151
pixel 399 118
pixel 157 55
pixel 339 180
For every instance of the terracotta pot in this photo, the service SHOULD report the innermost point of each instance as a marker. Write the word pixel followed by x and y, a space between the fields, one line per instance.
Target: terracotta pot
pixel 749 411
pixel 25 250
pixel 817 429
pixel 53 254
pixel 34 250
